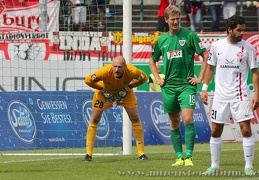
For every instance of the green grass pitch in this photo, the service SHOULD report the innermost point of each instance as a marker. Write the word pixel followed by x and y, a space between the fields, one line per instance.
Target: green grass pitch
pixel 124 167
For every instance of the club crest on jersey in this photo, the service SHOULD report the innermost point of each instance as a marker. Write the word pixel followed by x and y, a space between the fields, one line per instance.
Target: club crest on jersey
pixel 240 54
pixel 182 42
pixel 94 78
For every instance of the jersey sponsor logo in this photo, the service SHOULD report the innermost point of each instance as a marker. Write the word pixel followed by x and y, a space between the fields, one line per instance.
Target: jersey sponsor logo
pixel 174 54
pixel 182 42
pixel 160 118
pixel 22 121
pixel 230 61
pixel 103 126
pixel 229 64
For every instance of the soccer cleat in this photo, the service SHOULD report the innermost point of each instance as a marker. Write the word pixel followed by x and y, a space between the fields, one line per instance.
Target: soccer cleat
pixel 249 172
pixel 87 158
pixel 211 171
pixel 143 157
pixel 179 162
pixel 188 162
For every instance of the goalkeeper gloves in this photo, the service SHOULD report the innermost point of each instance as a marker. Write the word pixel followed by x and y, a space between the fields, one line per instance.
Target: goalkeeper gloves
pixel 108 97
pixel 120 96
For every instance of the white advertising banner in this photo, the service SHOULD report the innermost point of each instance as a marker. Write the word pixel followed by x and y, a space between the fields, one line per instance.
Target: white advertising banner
pixel 45 75
pixel 26 17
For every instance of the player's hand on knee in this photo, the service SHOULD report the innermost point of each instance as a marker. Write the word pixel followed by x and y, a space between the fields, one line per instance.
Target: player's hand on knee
pixel 120 96
pixel 108 97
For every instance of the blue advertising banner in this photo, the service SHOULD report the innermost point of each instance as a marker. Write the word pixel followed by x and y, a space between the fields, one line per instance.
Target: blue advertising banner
pixel 53 119
pixel 156 123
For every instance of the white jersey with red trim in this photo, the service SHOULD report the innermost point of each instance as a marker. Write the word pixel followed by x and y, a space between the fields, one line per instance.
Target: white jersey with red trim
pixel 233 62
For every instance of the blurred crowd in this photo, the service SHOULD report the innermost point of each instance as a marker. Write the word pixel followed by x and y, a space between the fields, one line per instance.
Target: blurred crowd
pixel 82 15
pixel 196 9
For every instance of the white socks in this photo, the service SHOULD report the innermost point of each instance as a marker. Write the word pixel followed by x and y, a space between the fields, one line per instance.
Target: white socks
pixel 215 148
pixel 248 147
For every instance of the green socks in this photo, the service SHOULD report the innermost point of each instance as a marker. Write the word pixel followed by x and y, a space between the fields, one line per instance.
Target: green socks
pixel 176 140
pixel 190 135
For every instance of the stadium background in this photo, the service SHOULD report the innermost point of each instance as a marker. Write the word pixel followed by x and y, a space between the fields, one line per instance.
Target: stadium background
pixel 50 66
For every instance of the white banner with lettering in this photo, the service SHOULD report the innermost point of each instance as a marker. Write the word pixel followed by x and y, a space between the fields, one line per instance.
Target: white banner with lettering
pixel 25 18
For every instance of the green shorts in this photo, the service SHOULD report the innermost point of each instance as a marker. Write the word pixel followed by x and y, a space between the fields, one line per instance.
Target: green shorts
pixel 176 98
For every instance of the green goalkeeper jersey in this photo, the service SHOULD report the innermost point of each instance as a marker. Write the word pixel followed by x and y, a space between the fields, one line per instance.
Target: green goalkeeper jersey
pixel 177 53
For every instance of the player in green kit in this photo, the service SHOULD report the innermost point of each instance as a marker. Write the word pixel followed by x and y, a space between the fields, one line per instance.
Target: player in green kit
pixel 177 48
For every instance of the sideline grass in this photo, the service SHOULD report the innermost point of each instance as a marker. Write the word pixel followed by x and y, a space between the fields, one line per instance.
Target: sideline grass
pixel 123 167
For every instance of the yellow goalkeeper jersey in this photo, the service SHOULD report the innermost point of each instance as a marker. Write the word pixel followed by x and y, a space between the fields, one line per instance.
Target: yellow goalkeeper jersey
pixel 104 78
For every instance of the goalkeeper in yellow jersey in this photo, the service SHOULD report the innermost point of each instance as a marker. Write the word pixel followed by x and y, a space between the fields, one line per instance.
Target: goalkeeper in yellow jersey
pixel 115 82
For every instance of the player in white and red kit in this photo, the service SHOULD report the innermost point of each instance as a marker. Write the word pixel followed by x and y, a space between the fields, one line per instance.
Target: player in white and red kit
pixel 233 58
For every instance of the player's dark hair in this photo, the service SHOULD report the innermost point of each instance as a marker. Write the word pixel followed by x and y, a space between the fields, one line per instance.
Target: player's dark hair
pixel 233 21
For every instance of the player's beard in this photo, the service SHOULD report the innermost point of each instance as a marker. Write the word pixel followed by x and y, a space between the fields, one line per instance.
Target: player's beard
pixel 236 39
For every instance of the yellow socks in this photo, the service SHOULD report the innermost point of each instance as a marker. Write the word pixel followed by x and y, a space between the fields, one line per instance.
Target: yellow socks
pixel 90 138
pixel 92 131
pixel 139 136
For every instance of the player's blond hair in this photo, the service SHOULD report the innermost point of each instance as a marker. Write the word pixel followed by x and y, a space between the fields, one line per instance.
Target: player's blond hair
pixel 171 10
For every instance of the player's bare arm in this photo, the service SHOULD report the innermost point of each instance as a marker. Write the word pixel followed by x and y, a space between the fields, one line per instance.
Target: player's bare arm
pixel 207 78
pixel 152 87
pixel 155 72
pixel 194 80
pixel 255 78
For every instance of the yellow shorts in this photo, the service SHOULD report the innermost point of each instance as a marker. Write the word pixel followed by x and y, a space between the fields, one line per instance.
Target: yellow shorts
pixel 99 102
